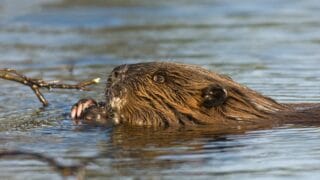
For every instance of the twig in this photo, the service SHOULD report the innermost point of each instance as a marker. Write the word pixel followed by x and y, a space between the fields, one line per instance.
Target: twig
pixel 37 84
pixel 73 170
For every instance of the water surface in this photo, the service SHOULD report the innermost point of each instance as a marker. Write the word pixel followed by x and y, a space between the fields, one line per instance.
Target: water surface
pixel 270 46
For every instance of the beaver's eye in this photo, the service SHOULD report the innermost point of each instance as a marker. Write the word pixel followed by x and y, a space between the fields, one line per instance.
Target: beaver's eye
pixel 159 77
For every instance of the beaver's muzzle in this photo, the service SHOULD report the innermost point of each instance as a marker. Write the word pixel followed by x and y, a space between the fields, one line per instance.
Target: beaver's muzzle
pixel 116 79
pixel 118 74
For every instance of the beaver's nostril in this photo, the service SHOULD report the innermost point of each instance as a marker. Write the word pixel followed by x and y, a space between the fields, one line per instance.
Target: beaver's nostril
pixel 115 74
pixel 119 72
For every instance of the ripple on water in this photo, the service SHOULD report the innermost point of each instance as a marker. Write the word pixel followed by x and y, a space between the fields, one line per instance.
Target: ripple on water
pixel 271 46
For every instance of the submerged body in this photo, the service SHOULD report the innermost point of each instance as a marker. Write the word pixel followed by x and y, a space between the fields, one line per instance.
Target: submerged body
pixel 162 94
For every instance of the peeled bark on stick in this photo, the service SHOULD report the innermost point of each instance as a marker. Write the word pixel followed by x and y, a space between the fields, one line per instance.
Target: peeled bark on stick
pixel 36 84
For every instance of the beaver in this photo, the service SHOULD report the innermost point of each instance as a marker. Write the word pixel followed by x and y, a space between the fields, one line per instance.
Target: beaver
pixel 166 94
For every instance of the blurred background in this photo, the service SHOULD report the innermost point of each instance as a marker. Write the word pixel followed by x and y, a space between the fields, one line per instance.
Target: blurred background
pixel 269 45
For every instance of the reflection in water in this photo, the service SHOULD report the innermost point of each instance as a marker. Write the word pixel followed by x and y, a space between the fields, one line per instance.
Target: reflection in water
pixel 271 46
pixel 137 150
pixel 203 153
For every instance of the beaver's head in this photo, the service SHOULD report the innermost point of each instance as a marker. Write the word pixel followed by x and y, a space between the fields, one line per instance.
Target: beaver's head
pixel 171 94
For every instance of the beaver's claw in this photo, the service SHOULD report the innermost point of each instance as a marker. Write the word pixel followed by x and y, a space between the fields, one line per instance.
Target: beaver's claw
pixel 78 109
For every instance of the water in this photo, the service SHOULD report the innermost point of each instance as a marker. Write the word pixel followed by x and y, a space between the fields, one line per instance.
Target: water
pixel 270 46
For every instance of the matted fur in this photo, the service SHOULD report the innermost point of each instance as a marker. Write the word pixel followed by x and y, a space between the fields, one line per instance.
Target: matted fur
pixel 137 99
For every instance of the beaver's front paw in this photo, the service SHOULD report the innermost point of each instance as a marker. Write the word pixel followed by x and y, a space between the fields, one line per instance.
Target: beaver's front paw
pixel 78 109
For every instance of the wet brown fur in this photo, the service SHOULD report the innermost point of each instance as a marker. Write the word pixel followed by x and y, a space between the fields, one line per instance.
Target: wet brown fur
pixel 136 98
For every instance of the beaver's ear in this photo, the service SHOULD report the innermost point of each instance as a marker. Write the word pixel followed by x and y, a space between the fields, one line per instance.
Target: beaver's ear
pixel 213 96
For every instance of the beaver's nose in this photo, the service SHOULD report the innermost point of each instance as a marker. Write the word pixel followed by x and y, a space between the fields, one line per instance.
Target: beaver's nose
pixel 119 73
